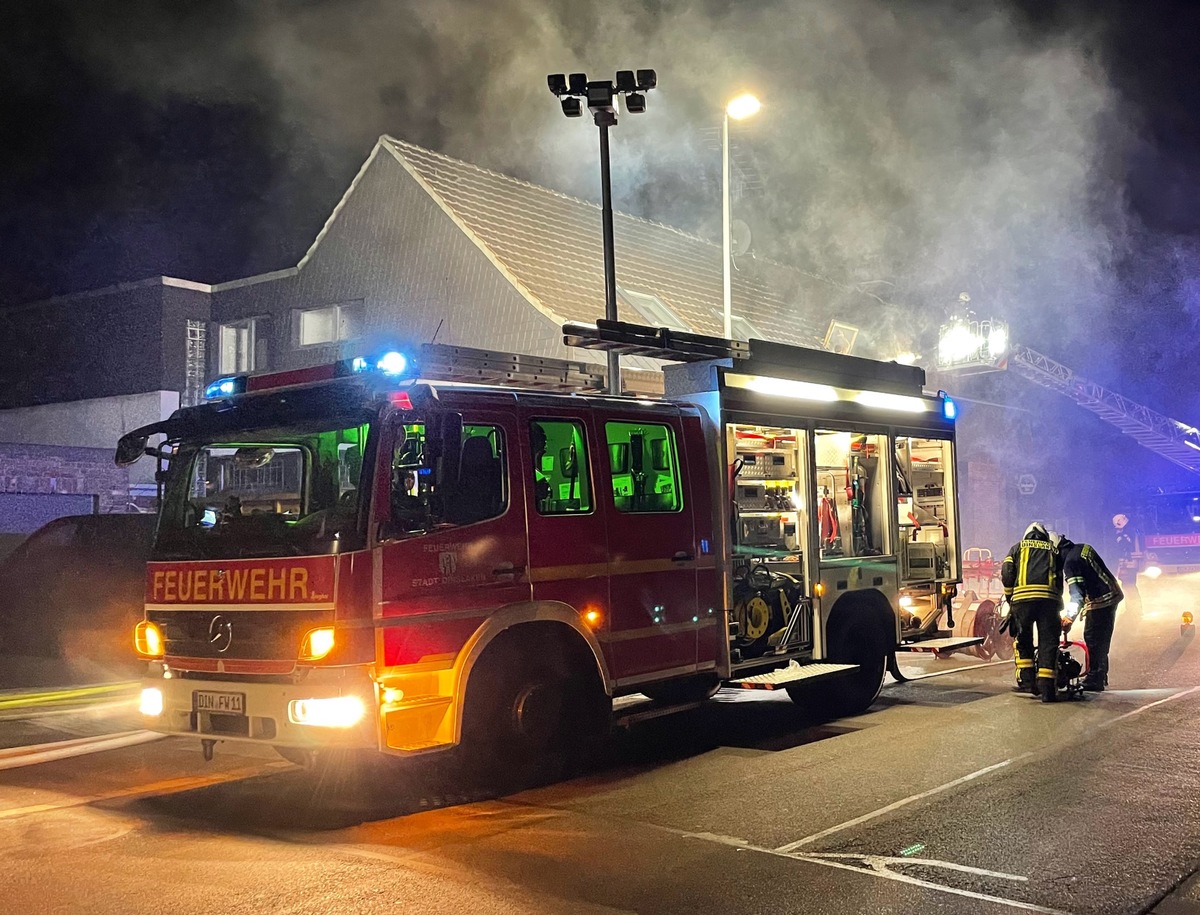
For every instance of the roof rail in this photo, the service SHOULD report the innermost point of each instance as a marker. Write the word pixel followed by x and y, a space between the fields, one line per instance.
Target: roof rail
pixel 655 342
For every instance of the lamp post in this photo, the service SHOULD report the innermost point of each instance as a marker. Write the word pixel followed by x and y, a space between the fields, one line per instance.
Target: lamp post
pixel 740 107
pixel 601 101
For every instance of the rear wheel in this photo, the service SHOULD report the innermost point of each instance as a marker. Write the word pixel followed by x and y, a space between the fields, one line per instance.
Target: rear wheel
pixel 855 639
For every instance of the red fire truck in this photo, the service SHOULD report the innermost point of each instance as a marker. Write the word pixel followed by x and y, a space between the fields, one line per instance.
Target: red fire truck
pixel 408 552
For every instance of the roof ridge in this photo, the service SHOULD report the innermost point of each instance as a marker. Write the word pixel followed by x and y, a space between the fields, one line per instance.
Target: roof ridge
pixel 405 144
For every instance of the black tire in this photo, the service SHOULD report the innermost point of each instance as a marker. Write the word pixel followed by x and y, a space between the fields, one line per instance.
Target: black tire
pixel 856 638
pixel 526 716
pixel 689 689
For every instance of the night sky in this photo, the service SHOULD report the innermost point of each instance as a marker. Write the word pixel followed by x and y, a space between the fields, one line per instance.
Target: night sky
pixel 1042 157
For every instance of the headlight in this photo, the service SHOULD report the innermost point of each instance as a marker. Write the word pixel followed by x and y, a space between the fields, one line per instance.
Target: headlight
pixel 338 712
pixel 151 702
pixel 317 644
pixel 1152 572
pixel 148 640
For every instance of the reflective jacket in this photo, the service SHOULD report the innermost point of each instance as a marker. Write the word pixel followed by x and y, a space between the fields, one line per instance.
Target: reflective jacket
pixel 1032 570
pixel 1088 579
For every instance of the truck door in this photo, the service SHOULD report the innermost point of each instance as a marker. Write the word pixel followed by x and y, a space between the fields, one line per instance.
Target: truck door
pixel 652 548
pixel 568 542
pixel 452 545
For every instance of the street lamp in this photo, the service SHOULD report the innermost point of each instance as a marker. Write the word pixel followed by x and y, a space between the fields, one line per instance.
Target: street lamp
pixel 601 101
pixel 739 108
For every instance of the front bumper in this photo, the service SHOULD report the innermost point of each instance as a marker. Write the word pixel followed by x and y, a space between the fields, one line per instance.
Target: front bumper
pixel 263 717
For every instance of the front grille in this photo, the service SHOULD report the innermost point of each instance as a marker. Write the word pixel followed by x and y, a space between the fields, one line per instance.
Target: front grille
pixel 259 635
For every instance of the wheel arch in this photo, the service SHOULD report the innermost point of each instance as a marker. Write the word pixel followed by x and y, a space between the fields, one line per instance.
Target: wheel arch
pixel 519 620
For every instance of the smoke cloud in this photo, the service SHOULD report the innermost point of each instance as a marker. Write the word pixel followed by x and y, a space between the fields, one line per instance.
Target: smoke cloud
pixel 911 150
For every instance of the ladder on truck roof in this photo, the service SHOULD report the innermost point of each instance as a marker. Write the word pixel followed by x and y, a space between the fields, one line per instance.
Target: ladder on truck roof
pixel 466 365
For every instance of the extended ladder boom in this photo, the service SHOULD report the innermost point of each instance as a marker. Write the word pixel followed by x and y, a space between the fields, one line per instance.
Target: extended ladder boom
pixel 1169 438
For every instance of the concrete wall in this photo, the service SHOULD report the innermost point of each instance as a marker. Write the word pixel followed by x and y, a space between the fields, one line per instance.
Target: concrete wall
pixel 91 424
pixel 58 469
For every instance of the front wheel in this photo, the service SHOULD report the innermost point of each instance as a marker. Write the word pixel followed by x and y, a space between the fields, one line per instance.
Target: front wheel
pixel 524 718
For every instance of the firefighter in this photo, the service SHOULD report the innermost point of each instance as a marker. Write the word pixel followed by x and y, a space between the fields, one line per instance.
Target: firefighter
pixel 1032 577
pixel 1095 593
pixel 1127 564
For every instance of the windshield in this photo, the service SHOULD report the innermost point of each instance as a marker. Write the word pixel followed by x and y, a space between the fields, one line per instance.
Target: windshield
pixel 268 492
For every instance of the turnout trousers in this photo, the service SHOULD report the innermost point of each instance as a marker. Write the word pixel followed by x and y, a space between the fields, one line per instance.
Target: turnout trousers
pixel 1097 635
pixel 1045 614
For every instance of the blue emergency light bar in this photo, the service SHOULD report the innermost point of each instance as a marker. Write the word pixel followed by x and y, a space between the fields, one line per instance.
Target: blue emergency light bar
pixel 949 407
pixel 225 387
pixel 392 363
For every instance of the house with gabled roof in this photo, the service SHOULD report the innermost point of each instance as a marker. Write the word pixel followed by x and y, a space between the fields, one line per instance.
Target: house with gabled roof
pixel 421 247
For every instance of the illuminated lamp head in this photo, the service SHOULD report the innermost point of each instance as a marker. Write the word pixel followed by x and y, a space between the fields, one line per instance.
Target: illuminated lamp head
pixel 392 363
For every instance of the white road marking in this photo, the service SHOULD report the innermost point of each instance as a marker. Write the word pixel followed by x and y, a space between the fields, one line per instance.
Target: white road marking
pixel 966 778
pixel 883 861
pixel 878 866
pixel 790 846
pixel 16 757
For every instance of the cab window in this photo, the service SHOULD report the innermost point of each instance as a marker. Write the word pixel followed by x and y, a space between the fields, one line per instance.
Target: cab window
pixel 644 465
pixel 561 484
pixel 472 486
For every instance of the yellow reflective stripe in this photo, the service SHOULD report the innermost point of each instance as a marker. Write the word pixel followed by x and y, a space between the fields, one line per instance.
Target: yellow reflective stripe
pixel 1024 663
pixel 1046 672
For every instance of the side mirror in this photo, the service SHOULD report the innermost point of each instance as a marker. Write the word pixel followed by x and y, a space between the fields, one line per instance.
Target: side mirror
pixel 618 457
pixel 130 448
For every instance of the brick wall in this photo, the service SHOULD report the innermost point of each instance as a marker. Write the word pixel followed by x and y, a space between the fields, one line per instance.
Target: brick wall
pixel 56 468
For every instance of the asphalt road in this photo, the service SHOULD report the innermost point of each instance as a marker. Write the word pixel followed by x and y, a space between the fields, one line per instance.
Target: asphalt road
pixel 952 795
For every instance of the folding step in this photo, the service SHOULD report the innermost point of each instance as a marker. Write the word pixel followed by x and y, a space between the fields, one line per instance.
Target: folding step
pixel 793 673
pixel 940 645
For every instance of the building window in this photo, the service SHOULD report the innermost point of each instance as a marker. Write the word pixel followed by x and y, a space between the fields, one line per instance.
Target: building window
pixel 330 324
pixel 195 364
pixel 653 310
pixel 237 347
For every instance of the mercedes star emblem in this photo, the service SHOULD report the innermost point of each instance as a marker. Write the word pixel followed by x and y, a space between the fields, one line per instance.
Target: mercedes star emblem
pixel 220 633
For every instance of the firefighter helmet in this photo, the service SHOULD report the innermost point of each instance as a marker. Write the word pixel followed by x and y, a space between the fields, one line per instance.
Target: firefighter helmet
pixel 1119 521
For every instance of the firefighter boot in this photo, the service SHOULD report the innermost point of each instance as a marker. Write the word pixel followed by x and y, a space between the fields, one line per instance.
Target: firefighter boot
pixel 1047 688
pixel 1025 678
pixel 1025 681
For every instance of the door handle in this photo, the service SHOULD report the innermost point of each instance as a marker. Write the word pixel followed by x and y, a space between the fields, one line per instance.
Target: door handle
pixel 683 556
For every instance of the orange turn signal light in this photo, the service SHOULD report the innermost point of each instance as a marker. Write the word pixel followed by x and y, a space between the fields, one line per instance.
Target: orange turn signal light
pixel 148 640
pixel 819 589
pixel 317 643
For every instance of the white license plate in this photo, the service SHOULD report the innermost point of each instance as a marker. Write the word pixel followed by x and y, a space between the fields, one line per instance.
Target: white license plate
pixel 229 703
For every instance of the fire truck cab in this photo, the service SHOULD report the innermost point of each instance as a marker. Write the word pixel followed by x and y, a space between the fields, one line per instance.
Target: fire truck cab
pixel 407 553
